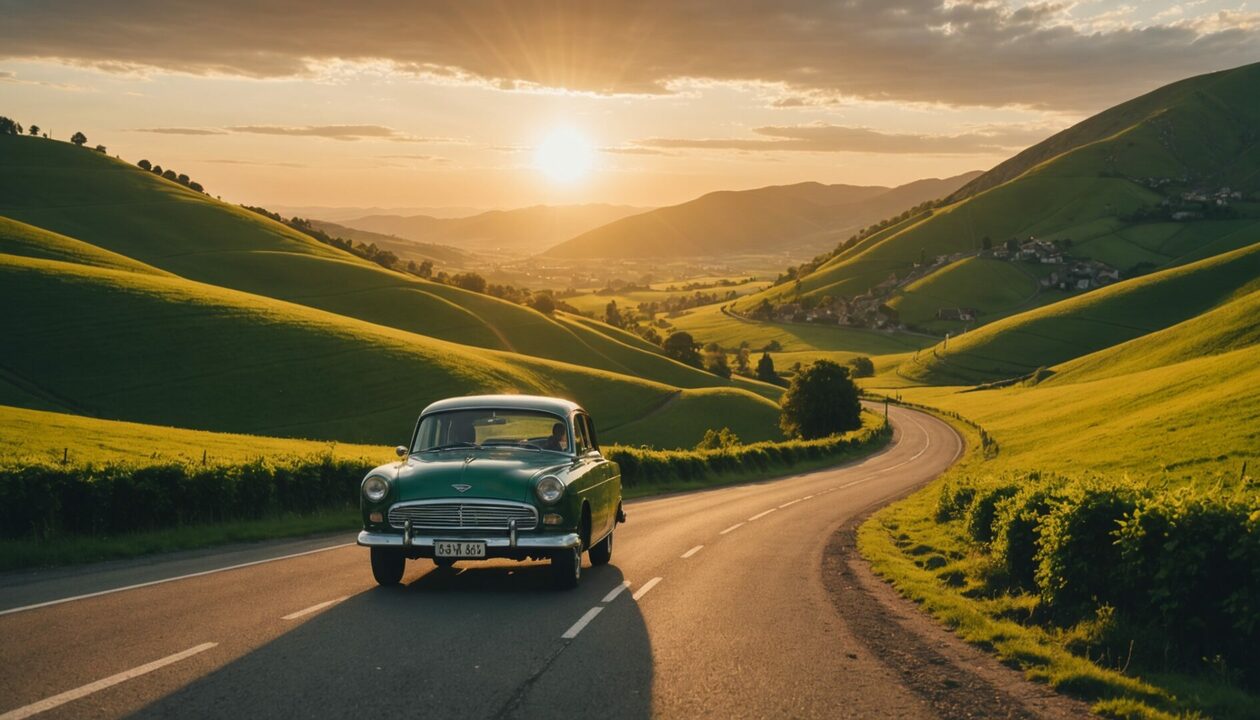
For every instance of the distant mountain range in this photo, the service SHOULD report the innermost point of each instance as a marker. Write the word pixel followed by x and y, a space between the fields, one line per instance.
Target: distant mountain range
pixel 525 231
pixel 803 219
pixel 447 256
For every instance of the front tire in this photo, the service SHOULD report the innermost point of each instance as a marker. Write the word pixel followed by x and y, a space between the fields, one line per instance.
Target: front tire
pixel 566 569
pixel 388 565
pixel 601 552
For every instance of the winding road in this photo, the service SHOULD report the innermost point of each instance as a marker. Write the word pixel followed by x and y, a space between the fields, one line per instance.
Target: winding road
pixel 714 605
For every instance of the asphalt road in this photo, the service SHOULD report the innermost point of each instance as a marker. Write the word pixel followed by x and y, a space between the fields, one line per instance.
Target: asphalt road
pixel 713 606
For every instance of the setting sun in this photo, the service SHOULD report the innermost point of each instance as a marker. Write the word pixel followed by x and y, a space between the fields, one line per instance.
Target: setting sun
pixel 565 155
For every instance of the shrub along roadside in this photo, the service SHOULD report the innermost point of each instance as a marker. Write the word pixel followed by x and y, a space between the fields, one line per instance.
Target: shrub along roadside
pixel 53 514
pixel 1139 596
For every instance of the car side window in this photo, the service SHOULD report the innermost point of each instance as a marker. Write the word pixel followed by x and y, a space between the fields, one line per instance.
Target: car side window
pixel 583 435
pixel 590 432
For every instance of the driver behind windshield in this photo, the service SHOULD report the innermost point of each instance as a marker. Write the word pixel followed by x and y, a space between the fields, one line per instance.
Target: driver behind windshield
pixel 559 439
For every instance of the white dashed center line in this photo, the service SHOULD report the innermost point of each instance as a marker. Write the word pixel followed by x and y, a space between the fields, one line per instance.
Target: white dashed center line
pixel 692 551
pixel 71 695
pixel 646 587
pixel 789 503
pixel 761 514
pixel 612 594
pixel 313 608
pixel 581 623
pixel 736 526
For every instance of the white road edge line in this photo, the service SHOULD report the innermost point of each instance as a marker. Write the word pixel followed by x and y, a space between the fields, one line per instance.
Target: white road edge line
pixel 644 590
pixel 612 594
pixel 691 552
pixel 790 503
pixel 314 608
pixel 75 694
pixel 577 626
pixel 736 526
pixel 762 514
pixel 137 586
pixel 807 497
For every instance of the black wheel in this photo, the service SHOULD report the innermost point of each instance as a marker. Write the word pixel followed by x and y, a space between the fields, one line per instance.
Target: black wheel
pixel 601 552
pixel 566 568
pixel 444 562
pixel 387 565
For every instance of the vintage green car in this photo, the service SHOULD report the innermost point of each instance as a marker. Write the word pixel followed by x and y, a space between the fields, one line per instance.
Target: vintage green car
pixel 494 476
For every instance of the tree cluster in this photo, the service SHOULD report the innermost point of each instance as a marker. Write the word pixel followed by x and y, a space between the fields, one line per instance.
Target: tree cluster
pixel 171 175
pixel 821 400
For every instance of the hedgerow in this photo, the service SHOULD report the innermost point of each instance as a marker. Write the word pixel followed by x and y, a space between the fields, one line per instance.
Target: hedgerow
pixel 1175 571
pixel 49 500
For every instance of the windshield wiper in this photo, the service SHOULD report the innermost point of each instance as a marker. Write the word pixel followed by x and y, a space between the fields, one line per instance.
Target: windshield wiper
pixel 451 446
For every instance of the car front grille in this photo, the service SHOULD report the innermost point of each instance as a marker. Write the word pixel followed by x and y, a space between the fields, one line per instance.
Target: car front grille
pixel 463 516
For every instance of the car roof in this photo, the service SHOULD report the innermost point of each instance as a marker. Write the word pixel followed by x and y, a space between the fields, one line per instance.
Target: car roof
pixel 555 406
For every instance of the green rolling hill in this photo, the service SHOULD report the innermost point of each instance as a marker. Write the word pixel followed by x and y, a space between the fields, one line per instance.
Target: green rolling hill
pixel 160 350
pixel 1168 178
pixel 1019 344
pixel 804 218
pixel 120 209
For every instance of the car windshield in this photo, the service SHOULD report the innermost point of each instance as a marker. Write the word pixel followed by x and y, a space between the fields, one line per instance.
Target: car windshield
pixel 525 429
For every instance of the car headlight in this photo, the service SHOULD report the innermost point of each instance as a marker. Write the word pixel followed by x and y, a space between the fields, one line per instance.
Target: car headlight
pixel 549 489
pixel 375 488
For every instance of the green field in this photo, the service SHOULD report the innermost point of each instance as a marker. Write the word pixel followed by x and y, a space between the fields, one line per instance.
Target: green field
pixel 993 287
pixel 1056 333
pixel 168 351
pixel 709 324
pixel 35 436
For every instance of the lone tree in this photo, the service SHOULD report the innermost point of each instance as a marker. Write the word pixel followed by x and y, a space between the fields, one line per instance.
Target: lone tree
pixel 682 347
pixel 543 303
pixel 861 367
pixel 765 370
pixel 33 130
pixel 820 401
pixel 78 139
pixel 612 315
pixel 144 165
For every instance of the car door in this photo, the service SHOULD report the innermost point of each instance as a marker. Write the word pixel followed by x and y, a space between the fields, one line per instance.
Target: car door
pixel 605 490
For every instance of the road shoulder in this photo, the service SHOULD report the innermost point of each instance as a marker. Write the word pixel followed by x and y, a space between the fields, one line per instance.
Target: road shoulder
pixel 956 679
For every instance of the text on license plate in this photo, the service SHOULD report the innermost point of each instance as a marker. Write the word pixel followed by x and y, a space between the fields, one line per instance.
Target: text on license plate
pixel 458 549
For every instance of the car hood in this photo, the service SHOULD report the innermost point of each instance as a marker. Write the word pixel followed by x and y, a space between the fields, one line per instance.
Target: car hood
pixel 492 474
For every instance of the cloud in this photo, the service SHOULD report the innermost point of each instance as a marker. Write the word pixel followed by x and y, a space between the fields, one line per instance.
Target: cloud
pixel 958 52
pixel 987 140
pixel 633 150
pixel 8 76
pixel 332 132
pixel 426 158
pixel 180 131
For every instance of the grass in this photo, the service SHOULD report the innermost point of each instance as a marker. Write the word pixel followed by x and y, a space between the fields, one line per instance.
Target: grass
pixel 167 351
pixel 1076 327
pixel 596 302
pixel 709 324
pixel 990 286
pixel 31 436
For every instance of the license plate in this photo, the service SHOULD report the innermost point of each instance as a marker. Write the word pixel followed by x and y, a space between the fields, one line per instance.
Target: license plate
pixel 458 549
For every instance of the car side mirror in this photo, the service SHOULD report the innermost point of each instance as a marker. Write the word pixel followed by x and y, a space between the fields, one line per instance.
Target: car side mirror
pixel 401 451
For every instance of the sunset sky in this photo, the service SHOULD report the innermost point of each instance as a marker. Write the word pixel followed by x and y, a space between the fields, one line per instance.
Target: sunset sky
pixel 402 104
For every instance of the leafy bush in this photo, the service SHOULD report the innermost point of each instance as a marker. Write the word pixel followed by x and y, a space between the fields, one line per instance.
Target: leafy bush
pixel 43 501
pixel 1016 530
pixel 983 510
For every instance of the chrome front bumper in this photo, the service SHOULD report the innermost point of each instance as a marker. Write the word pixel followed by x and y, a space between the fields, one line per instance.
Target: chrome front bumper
pixel 543 543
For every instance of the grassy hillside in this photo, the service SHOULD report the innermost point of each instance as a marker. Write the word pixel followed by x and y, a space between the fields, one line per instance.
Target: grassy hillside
pixel 1073 328
pixel 168 351
pixel 30 436
pixel 121 209
pixel 991 286
pixel 1101 185
pixel 445 256
pixel 524 231
pixel 807 217
pixel 710 324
